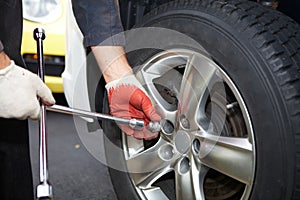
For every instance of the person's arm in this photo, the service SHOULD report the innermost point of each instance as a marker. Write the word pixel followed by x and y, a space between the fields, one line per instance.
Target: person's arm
pixel 103 34
pixel 127 97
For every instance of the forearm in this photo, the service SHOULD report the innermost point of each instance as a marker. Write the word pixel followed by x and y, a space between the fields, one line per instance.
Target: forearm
pixel 103 33
pixel 112 62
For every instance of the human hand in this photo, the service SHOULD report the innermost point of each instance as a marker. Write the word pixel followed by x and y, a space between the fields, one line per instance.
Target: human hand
pixel 127 99
pixel 19 89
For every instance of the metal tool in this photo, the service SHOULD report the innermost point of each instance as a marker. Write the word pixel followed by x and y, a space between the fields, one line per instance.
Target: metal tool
pixel 154 127
pixel 133 123
pixel 44 189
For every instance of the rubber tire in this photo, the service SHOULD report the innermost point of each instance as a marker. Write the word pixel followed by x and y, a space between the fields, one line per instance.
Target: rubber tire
pixel 259 49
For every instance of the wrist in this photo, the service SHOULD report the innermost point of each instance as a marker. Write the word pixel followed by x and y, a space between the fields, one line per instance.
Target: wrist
pixel 129 79
pixel 115 74
pixel 4 60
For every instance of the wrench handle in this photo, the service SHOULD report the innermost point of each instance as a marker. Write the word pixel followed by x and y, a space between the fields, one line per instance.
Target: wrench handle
pixel 133 123
pixel 44 189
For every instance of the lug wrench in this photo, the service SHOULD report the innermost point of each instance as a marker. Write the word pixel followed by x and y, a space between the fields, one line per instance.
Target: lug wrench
pixel 44 189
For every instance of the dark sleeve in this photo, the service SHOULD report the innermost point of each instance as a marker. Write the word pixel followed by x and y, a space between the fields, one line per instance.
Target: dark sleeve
pixel 11 22
pixel 99 22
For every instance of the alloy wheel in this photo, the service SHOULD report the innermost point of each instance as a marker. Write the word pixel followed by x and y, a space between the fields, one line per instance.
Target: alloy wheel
pixel 206 148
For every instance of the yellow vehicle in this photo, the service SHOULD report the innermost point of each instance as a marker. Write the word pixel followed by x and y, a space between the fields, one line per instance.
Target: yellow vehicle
pixel 49 15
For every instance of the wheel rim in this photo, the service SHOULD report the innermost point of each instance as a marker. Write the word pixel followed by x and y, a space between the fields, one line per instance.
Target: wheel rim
pixel 207 149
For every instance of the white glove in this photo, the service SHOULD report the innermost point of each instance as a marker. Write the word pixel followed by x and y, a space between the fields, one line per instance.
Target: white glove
pixel 19 89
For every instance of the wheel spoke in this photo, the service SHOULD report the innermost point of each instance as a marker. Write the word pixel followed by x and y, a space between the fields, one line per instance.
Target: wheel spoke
pixel 133 146
pixel 198 77
pixel 148 166
pixel 161 75
pixel 189 183
pixel 155 193
pixel 228 155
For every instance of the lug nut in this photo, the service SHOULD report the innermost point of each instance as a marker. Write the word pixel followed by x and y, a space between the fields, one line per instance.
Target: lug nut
pixel 167 127
pixel 166 152
pixel 196 146
pixel 184 122
pixel 184 165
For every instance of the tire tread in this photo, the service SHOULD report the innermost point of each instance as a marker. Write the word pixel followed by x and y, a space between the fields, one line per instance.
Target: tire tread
pixel 275 36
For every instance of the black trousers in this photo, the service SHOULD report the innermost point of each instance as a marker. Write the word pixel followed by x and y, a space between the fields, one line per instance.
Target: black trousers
pixel 15 167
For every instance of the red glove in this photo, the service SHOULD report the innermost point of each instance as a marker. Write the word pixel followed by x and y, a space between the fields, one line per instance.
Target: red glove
pixel 127 99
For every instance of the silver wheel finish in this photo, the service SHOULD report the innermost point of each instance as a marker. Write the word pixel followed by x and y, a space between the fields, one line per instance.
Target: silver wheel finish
pixel 195 146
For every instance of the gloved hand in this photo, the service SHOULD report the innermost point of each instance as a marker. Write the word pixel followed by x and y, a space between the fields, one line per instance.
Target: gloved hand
pixel 127 99
pixel 19 89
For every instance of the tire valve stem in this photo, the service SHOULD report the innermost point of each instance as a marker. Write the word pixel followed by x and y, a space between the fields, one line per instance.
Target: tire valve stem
pixel 231 105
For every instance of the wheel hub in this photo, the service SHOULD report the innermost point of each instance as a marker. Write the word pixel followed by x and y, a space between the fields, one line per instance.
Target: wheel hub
pixel 182 141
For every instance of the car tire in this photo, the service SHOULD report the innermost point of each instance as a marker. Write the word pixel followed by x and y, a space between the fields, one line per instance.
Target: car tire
pixel 258 49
